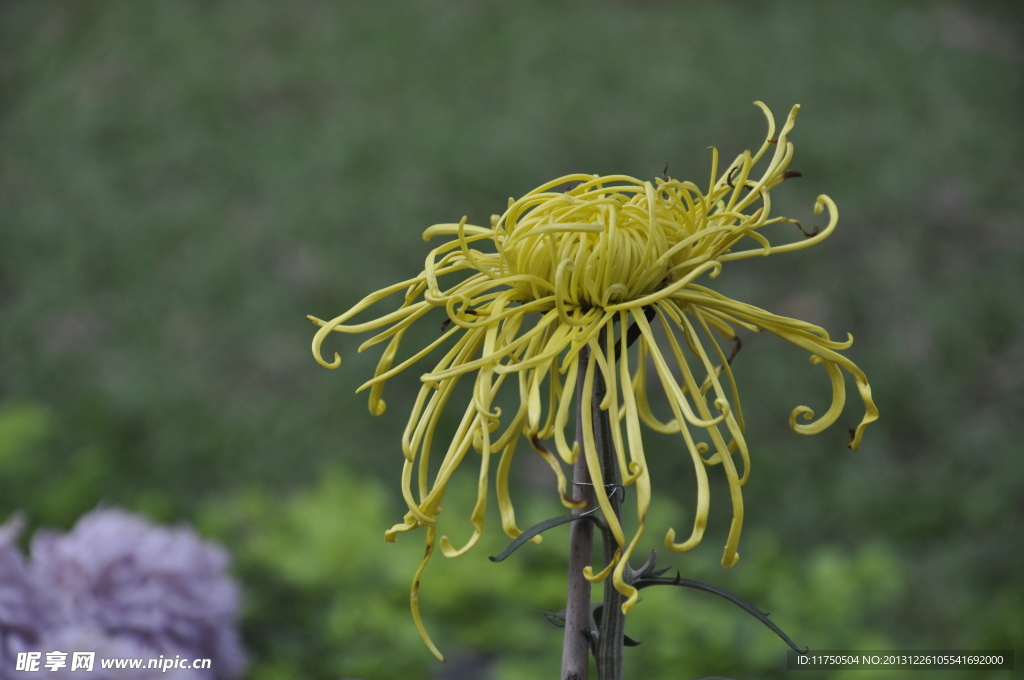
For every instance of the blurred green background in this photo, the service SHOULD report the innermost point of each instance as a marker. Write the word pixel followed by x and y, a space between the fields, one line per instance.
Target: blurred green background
pixel 182 182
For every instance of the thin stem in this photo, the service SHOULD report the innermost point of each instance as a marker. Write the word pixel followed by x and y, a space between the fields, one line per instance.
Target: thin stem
pixel 611 634
pixel 576 646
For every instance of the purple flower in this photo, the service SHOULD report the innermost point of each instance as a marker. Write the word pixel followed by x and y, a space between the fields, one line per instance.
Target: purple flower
pixel 122 587
pixel 20 611
pixel 90 638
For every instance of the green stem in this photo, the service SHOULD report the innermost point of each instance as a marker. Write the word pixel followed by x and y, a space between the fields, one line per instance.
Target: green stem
pixel 612 629
pixel 576 645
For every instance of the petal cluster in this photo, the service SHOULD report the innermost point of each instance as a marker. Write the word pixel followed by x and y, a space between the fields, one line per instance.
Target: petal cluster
pixel 583 266
pixel 122 587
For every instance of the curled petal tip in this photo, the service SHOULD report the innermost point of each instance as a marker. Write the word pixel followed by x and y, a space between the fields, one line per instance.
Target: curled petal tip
pixel 333 364
pixel 800 411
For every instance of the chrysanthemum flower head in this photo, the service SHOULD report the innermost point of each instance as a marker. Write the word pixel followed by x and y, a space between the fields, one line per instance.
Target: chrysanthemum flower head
pixel 584 271
pixel 121 587
pixel 143 586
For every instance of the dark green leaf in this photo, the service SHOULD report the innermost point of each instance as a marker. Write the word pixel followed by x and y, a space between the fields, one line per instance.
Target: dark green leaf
pixel 721 592
pixel 537 529
pixel 556 619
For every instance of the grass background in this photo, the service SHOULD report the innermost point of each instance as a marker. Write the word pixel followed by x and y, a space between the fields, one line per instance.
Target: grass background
pixel 182 182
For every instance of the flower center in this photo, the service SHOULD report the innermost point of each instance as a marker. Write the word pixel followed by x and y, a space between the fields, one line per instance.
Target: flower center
pixel 592 246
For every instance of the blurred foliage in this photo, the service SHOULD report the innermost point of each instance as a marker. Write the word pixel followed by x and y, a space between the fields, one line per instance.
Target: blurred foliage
pixel 329 599
pixel 181 182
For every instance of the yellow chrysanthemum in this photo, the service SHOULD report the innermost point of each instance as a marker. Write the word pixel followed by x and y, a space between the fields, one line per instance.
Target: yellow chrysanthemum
pixel 567 267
